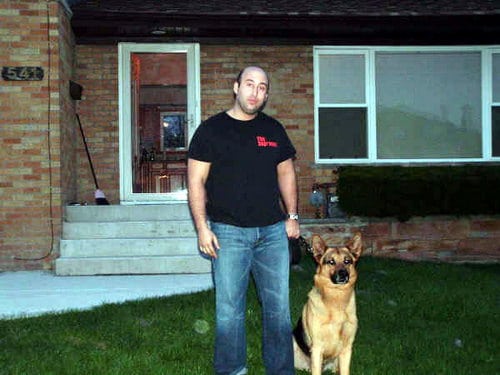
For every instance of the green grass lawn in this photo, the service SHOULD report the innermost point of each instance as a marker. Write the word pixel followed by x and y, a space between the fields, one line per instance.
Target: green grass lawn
pixel 414 318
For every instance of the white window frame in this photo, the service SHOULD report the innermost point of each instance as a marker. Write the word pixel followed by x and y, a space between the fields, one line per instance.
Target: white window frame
pixel 193 113
pixel 370 52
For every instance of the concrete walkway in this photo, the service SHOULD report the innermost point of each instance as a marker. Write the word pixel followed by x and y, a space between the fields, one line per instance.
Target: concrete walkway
pixel 31 293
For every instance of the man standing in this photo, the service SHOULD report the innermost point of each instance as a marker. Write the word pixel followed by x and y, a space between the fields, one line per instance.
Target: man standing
pixel 240 165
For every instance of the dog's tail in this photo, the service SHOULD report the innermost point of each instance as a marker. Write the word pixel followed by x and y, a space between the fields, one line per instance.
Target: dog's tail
pixel 299 335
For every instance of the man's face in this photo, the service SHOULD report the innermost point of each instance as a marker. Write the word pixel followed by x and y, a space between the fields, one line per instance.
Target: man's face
pixel 251 93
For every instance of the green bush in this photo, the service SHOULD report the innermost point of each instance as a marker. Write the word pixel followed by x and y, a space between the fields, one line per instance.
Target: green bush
pixel 404 192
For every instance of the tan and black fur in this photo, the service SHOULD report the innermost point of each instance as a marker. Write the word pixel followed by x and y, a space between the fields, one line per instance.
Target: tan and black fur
pixel 325 333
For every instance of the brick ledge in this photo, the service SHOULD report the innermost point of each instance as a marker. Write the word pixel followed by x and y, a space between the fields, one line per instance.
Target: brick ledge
pixel 471 239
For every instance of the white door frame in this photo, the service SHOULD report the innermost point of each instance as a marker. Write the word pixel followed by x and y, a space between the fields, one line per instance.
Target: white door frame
pixel 192 51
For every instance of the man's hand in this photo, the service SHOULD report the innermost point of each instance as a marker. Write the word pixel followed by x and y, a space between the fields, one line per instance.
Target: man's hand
pixel 208 242
pixel 292 228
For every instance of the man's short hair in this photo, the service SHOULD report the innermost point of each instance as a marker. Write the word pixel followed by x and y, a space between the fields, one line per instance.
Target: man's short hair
pixel 240 74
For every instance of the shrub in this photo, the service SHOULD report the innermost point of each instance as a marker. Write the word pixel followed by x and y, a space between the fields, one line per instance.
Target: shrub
pixel 404 192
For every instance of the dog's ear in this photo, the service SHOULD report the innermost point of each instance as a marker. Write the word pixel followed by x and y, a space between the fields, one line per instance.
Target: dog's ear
pixel 318 247
pixel 356 245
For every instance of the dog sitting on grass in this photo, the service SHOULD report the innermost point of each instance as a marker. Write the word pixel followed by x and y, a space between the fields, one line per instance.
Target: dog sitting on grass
pixel 325 333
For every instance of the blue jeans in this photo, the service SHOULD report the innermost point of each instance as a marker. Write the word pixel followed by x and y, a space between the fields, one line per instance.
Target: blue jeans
pixel 263 252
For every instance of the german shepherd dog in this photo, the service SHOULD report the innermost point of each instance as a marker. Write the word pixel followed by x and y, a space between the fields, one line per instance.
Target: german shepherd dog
pixel 324 335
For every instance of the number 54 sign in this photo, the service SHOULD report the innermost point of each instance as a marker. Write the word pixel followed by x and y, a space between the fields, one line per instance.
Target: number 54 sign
pixel 22 73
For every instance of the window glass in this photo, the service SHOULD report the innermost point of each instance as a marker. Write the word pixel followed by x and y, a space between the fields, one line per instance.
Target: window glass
pixel 428 105
pixel 495 124
pixel 496 77
pixel 342 133
pixel 173 130
pixel 342 79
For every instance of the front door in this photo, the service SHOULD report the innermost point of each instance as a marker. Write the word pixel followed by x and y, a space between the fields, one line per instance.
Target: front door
pixel 159 108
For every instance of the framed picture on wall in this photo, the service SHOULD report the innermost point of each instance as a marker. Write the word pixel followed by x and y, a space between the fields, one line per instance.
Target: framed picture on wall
pixel 173 131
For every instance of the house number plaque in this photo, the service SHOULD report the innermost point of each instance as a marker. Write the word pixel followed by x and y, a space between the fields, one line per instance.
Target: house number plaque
pixel 22 73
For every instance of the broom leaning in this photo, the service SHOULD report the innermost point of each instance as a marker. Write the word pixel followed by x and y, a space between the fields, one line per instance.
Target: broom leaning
pixel 100 198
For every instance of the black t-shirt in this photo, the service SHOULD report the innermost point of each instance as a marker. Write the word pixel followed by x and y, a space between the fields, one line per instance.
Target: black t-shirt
pixel 242 186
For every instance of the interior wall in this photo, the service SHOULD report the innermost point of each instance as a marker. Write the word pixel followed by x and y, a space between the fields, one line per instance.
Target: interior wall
pixel 163 89
pixel 163 69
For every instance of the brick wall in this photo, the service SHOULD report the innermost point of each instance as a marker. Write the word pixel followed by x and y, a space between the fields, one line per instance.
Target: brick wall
pixel 291 97
pixel 291 101
pixel 38 170
pixel 97 72
pixel 30 35
pixel 450 239
pixel 68 125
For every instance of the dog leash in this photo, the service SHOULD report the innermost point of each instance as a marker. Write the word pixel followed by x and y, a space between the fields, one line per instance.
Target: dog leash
pixel 303 243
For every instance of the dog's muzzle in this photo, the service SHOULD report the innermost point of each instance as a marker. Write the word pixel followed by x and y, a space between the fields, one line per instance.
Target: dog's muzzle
pixel 340 277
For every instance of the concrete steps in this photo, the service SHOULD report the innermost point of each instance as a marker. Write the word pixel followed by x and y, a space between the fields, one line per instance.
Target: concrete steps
pixel 129 229
pixel 143 239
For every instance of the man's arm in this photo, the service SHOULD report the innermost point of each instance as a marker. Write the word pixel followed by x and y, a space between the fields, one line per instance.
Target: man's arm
pixel 287 181
pixel 197 197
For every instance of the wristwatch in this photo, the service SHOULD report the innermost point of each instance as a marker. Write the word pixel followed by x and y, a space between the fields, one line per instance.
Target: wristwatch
pixel 293 216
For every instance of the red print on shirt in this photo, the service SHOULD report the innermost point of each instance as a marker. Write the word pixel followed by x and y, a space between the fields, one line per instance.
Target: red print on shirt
pixel 263 142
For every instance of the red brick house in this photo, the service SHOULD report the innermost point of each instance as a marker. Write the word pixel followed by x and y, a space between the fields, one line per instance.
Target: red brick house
pixel 151 71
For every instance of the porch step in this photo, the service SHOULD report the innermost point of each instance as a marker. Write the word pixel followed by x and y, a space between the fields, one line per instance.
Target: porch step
pixel 122 247
pixel 143 239
pixel 132 265
pixel 151 228
pixel 111 213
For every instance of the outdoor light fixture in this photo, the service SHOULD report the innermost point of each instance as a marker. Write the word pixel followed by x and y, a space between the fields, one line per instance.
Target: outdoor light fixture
pixel 172 30
pixel 159 31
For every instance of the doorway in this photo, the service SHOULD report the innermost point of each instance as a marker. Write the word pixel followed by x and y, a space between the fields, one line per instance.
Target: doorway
pixel 159 91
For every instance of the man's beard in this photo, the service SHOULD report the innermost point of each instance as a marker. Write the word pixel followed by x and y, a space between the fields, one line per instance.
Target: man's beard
pixel 250 111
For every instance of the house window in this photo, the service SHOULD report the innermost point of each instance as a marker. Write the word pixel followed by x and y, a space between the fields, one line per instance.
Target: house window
pixel 342 114
pixel 495 107
pixel 406 105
